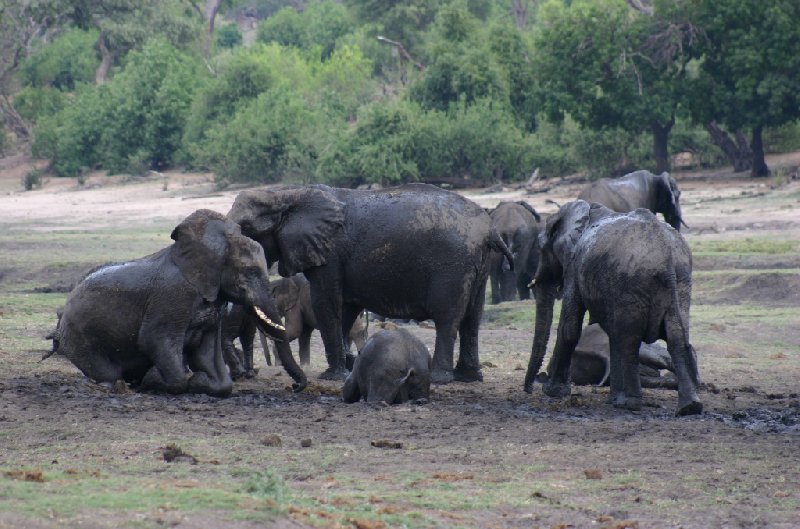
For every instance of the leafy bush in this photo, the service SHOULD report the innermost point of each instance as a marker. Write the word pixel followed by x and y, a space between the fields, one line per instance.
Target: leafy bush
pixel 610 152
pixel 315 30
pixel 32 178
pixel 68 60
pixel 33 103
pixel 229 36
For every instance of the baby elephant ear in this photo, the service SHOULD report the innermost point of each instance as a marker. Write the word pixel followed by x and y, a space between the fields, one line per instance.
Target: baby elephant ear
pixel 199 250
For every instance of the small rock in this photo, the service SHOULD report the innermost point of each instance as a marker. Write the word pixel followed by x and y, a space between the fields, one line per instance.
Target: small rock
pixel 305 443
pixel 593 473
pixel 385 443
pixel 272 440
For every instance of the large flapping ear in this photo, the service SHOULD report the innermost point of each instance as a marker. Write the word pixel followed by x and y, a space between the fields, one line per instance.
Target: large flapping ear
pixel 567 228
pixel 286 293
pixel 199 250
pixel 669 200
pixel 530 208
pixel 303 220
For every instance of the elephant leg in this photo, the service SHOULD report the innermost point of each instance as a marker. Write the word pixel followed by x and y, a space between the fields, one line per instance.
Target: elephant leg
pixel 231 358
pixel 247 338
pixel 284 352
pixel 468 368
pixel 684 361
pixel 305 345
pixel 265 347
pixel 210 374
pixel 326 297
pixel 168 373
pixel 442 364
pixel 495 280
pixel 350 314
pixel 523 280
pixel 569 332
pixel 624 350
pixel 508 285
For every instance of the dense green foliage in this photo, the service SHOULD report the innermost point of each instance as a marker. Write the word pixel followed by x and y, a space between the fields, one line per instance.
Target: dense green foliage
pixel 361 91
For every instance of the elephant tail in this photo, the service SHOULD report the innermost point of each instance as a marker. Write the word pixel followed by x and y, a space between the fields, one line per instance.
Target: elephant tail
pixel 55 337
pixel 496 243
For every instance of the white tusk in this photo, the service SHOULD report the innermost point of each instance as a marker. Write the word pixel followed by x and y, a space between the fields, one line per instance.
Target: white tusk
pixel 532 283
pixel 268 321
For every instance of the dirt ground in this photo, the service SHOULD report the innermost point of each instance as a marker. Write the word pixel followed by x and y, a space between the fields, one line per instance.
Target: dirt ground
pixel 477 455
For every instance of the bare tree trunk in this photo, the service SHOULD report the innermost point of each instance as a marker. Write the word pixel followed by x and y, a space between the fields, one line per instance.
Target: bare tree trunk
pixel 13 119
pixel 212 8
pixel 106 59
pixel 660 145
pixel 759 163
pixel 738 152
pixel 520 9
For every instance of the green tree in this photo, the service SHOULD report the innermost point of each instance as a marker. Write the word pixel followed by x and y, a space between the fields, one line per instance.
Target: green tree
pixel 317 29
pixel 229 36
pixel 70 58
pixel 749 65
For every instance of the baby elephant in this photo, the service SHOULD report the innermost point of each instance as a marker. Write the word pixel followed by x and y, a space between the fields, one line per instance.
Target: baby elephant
pixel 393 367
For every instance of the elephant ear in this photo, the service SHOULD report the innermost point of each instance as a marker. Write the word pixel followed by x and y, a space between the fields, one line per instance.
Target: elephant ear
pixel 530 208
pixel 565 229
pixel 286 293
pixel 669 189
pixel 201 242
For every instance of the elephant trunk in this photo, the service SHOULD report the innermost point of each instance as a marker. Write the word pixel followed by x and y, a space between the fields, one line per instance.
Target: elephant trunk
pixel 545 299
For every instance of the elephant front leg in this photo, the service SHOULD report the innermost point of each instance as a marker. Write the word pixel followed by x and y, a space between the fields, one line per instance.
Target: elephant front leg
pixel 168 373
pixel 442 364
pixel 569 332
pixel 326 297
pixel 210 374
pixel 468 368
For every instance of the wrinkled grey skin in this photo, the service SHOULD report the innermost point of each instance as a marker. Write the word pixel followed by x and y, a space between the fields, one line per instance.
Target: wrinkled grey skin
pixel 591 362
pixel 238 323
pixel 155 322
pixel 393 367
pixel 414 251
pixel 517 223
pixel 639 189
pixel 632 273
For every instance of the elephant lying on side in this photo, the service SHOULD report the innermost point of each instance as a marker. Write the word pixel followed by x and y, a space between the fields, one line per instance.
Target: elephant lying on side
pixel 639 189
pixel 633 273
pixel 591 362
pixel 292 297
pixel 393 367
pixel 155 322
pixel 414 251
pixel 517 223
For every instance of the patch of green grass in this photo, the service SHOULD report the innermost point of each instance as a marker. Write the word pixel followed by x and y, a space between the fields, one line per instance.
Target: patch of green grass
pixel 518 314
pixel 749 245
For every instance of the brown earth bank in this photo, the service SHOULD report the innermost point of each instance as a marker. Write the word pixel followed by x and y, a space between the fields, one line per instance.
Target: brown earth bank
pixel 477 455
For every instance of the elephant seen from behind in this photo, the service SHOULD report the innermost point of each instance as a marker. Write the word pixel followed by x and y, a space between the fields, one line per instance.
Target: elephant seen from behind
pixel 517 223
pixel 639 189
pixel 155 322
pixel 414 251
pixel 633 273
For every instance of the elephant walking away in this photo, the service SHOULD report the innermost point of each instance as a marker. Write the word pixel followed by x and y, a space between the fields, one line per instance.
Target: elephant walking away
pixel 393 367
pixel 591 362
pixel 639 189
pixel 517 223
pixel 414 251
pixel 155 322
pixel 633 273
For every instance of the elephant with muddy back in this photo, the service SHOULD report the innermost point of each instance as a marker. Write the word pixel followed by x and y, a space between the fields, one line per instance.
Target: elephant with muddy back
pixel 414 251
pixel 633 273
pixel 517 223
pixel 639 189
pixel 155 322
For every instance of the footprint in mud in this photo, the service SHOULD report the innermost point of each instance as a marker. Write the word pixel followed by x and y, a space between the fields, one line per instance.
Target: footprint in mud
pixel 763 419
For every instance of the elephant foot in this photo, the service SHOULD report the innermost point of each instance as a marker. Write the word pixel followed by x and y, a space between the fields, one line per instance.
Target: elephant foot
pixel 694 407
pixel 627 403
pixel 468 375
pixel 556 390
pixel 200 382
pixel 349 361
pixel 238 373
pixel 441 376
pixel 334 373
pixel 251 373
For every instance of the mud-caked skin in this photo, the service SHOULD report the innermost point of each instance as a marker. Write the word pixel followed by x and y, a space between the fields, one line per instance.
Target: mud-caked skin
pixel 517 223
pixel 393 367
pixel 292 297
pixel 633 273
pixel 155 322
pixel 639 189
pixel 415 251
pixel 591 362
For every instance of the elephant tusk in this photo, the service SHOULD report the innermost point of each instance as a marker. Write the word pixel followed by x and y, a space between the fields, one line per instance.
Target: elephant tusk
pixel 265 319
pixel 532 283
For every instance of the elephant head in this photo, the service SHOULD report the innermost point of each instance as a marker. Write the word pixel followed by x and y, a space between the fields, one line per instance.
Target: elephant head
pixel 557 244
pixel 219 262
pixel 295 225
pixel 667 200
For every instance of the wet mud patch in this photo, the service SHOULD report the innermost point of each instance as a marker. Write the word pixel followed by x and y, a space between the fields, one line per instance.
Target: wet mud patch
pixel 772 289
pixel 771 420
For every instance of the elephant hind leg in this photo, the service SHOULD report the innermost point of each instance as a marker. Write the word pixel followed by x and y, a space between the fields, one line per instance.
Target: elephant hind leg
pixel 442 364
pixel 468 368
pixel 684 361
pixel 569 332
pixel 624 350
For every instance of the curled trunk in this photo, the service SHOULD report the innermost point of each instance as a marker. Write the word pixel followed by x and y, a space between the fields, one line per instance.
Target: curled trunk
pixel 545 299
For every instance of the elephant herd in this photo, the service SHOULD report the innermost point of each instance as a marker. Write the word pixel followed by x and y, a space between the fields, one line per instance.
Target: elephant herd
pixel 166 322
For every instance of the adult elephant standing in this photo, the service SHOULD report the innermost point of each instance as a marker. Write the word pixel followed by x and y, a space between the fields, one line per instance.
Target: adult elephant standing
pixel 414 251
pixel 517 223
pixel 633 274
pixel 639 189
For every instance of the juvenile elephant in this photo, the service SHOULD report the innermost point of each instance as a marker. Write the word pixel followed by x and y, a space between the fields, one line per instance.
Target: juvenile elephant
pixel 156 321
pixel 414 251
pixel 517 223
pixel 393 367
pixel 639 189
pixel 633 273
pixel 292 297
pixel 591 362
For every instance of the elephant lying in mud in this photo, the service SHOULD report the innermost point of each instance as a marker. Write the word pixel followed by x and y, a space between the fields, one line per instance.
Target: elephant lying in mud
pixel 292 297
pixel 155 322
pixel 414 251
pixel 639 189
pixel 517 223
pixel 633 273
pixel 393 367
pixel 591 362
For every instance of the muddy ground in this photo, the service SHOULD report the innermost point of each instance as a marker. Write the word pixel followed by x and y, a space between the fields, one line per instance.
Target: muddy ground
pixel 77 454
